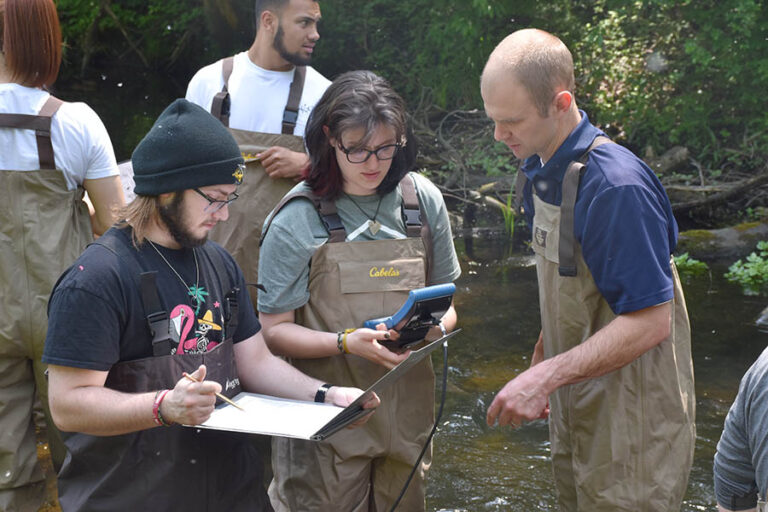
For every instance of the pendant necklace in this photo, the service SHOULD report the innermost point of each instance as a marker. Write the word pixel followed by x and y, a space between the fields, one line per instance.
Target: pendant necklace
pixel 373 225
pixel 195 292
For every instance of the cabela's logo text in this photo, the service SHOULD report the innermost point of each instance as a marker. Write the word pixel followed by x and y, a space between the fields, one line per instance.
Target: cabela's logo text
pixel 384 272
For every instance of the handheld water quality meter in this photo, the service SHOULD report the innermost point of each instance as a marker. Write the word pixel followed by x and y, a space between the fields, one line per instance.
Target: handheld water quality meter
pixel 423 309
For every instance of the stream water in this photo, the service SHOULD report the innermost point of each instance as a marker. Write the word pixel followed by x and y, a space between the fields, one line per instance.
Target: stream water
pixel 476 468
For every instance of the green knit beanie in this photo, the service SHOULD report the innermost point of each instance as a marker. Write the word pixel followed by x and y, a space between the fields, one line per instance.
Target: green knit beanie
pixel 186 148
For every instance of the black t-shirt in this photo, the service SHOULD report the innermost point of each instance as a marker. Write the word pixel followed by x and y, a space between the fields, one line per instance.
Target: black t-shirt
pixel 96 314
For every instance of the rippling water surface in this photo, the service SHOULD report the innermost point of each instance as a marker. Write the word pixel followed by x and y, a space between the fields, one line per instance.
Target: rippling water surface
pixel 481 468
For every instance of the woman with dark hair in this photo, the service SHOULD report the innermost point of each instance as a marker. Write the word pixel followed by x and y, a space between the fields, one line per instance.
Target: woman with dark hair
pixel 50 152
pixel 343 247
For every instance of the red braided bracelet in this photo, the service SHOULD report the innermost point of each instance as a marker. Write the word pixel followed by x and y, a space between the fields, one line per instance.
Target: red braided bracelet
pixel 156 415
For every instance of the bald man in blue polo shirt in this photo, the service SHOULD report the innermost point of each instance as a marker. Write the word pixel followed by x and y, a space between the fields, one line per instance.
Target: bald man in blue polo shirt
pixel 612 367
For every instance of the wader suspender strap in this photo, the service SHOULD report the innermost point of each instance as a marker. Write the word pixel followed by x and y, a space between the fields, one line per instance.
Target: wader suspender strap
pixel 328 214
pixel 231 306
pixel 157 317
pixel 291 112
pixel 330 217
pixel 520 181
pixel 413 220
pixel 41 123
pixel 571 180
pixel 336 232
pixel 220 107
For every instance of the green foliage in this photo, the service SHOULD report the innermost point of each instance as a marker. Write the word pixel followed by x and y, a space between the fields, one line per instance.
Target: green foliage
pixel 421 46
pixel 690 267
pixel 155 34
pixel 651 72
pixel 493 161
pixel 509 216
pixel 752 274
pixel 664 72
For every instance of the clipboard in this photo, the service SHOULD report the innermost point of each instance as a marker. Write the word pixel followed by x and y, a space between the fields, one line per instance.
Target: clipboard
pixel 269 415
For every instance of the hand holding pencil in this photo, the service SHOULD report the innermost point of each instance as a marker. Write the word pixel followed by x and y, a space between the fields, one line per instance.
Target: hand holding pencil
pixel 222 397
pixel 192 400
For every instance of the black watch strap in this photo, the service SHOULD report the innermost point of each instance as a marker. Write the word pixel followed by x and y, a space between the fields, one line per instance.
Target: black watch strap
pixel 321 392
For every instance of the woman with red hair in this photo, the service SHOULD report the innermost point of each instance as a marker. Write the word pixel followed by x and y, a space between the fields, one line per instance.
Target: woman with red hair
pixel 52 152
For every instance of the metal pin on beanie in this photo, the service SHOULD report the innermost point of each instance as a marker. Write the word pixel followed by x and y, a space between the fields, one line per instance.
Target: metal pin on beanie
pixel 186 148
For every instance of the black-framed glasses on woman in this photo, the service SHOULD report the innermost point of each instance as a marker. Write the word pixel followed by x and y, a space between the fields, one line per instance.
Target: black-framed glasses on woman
pixel 215 205
pixel 358 156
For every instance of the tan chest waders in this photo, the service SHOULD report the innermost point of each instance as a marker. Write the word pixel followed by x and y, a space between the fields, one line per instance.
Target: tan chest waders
pixel 362 469
pixel 259 193
pixel 43 228
pixel 623 441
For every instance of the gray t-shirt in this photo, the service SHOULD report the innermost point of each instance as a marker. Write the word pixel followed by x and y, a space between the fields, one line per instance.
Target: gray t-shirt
pixel 297 232
pixel 741 461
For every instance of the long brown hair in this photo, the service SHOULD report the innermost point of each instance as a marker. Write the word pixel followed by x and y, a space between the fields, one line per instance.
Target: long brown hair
pixel 30 38
pixel 140 214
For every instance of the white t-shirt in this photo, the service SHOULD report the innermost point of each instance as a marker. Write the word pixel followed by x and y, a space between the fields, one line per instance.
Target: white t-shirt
pixel 258 96
pixel 81 145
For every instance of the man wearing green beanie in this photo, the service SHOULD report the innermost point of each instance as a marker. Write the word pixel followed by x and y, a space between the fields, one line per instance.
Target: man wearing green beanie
pixel 151 300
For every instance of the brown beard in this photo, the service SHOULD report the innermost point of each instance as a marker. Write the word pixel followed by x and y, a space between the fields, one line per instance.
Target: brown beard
pixel 172 218
pixel 278 44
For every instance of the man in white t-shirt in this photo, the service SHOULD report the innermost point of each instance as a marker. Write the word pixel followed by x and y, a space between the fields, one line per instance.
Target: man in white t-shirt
pixel 264 95
pixel 262 76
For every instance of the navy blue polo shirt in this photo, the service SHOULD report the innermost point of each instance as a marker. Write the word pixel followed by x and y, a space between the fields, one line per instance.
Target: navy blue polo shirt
pixel 623 218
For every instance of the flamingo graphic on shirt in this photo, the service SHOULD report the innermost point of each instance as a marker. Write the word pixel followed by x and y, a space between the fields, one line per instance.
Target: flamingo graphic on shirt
pixel 191 340
pixel 182 324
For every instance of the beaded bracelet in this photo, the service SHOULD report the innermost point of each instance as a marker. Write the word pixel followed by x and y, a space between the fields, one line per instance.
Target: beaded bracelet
pixel 338 341
pixel 156 415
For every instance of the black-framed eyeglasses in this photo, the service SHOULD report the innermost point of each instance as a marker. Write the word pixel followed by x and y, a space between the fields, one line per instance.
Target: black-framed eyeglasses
pixel 215 205
pixel 358 156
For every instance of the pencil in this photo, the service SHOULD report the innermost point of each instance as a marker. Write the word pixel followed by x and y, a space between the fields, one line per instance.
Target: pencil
pixel 230 402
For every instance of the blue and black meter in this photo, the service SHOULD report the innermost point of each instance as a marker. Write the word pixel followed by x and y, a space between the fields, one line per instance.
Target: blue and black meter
pixel 423 309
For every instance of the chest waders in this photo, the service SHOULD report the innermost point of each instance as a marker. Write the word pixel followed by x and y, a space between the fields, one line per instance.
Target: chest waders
pixel 623 441
pixel 362 469
pixel 258 193
pixel 43 228
pixel 174 468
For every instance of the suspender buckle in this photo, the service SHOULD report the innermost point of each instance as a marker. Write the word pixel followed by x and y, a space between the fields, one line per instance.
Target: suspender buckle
pixel 290 116
pixel 231 310
pixel 412 217
pixel 332 222
pixel 567 271
pixel 159 327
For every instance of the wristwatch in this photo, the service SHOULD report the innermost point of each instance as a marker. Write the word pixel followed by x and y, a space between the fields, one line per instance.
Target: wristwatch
pixel 321 392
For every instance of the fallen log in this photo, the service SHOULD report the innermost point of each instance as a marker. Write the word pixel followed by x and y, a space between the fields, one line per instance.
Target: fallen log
pixel 723 196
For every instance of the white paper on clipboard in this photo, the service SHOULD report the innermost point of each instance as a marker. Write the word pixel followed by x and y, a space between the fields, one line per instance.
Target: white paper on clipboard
pixel 269 415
